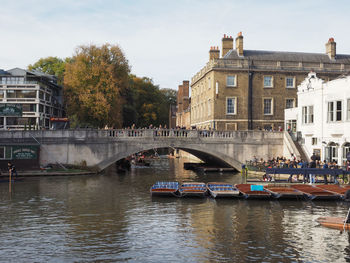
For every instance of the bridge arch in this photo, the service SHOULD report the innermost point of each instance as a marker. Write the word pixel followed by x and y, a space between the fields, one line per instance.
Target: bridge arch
pixel 201 153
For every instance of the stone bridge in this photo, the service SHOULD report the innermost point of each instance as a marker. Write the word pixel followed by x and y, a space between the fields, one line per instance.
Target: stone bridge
pixel 101 148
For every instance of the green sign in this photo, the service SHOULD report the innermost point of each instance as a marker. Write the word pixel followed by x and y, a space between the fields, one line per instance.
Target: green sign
pixel 24 152
pixel 10 110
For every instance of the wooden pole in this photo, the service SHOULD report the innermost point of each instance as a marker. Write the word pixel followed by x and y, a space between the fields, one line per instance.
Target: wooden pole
pixel 10 180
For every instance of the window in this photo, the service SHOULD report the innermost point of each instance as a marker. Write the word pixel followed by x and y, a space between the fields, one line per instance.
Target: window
pixel 313 141
pixel 339 110
pixel 290 83
pixel 308 114
pixel 289 103
pixel 231 105
pixel 209 83
pixel 268 110
pixel 330 111
pixel 231 81
pixel 29 107
pixel 30 94
pixel 348 110
pixel 268 82
pixel 334 111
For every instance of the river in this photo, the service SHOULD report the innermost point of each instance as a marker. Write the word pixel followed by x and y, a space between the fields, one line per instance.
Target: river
pixel 111 218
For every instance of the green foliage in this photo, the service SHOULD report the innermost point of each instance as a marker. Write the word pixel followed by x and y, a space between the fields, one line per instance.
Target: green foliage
pixel 51 65
pixel 146 103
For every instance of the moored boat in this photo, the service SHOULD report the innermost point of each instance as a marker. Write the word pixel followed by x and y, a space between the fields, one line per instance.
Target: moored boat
pixel 252 191
pixel 193 189
pixel 284 192
pixel 333 188
pixel 315 193
pixel 217 189
pixel 334 222
pixel 165 189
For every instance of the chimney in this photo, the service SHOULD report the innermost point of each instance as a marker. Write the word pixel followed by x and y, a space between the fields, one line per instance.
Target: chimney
pixel 227 44
pixel 185 94
pixel 179 99
pixel 331 48
pixel 214 53
pixel 239 44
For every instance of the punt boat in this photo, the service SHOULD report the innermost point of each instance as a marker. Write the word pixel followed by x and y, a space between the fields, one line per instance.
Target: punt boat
pixel 253 191
pixel 315 193
pixel 334 222
pixel 333 188
pixel 165 189
pixel 284 192
pixel 217 189
pixel 193 189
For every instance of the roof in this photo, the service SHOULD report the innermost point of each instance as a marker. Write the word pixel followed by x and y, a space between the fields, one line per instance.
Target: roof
pixel 287 56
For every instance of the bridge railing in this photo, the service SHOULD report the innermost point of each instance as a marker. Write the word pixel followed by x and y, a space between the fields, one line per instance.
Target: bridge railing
pixel 175 133
pixel 134 134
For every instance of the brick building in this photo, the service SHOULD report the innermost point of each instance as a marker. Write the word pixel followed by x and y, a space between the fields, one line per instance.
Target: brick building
pixel 249 89
pixel 183 114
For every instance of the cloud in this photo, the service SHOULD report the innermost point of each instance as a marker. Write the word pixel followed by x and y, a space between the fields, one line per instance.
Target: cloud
pixel 166 40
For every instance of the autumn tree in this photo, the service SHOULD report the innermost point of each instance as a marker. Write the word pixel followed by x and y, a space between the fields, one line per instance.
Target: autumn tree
pixel 94 81
pixel 51 65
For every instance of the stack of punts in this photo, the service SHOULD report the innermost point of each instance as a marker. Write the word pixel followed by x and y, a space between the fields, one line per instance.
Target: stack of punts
pixel 252 191
pixel 284 192
pixel 165 188
pixel 333 188
pixel 193 189
pixel 315 193
pixel 217 190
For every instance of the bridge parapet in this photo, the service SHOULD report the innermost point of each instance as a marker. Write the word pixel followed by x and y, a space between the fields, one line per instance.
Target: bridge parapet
pixel 138 134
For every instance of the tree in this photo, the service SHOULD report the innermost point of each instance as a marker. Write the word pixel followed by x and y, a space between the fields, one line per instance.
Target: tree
pixel 51 65
pixel 94 80
pixel 146 103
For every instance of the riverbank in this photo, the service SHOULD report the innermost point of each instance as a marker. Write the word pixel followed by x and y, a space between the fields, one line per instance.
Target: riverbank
pixel 50 172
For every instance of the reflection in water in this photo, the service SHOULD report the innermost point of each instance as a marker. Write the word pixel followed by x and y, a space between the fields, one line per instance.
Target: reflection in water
pixel 112 217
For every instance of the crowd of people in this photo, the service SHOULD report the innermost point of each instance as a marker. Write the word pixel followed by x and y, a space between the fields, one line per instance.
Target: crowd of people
pixel 293 162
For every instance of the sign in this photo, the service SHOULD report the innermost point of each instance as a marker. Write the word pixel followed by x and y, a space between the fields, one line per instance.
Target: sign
pixel 24 152
pixel 11 110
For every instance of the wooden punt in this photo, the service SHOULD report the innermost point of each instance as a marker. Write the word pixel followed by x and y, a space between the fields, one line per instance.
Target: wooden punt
pixel 333 188
pixel 249 192
pixel 334 222
pixel 315 193
pixel 284 192
pixel 193 189
pixel 220 190
pixel 165 189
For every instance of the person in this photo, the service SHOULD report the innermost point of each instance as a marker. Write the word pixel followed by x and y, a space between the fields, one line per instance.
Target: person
pixel 312 176
pixel 12 169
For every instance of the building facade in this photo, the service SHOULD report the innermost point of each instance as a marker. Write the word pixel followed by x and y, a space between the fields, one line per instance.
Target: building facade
pixel 322 118
pixel 28 99
pixel 183 114
pixel 249 89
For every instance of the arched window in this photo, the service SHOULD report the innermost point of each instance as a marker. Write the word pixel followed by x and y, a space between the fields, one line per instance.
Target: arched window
pixel 332 152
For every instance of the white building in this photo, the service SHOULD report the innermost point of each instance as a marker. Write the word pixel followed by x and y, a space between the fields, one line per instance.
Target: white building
pixel 28 99
pixel 321 120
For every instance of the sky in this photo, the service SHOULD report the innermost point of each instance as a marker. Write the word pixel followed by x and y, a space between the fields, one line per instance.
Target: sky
pixel 167 41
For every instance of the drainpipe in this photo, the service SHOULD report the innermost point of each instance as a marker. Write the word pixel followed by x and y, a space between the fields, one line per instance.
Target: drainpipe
pixel 250 97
